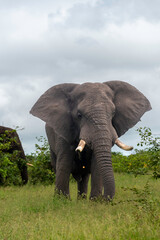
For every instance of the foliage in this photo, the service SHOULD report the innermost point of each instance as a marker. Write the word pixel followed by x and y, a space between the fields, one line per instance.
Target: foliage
pixel 137 163
pixel 146 161
pixel 41 171
pixel 9 160
pixel 153 147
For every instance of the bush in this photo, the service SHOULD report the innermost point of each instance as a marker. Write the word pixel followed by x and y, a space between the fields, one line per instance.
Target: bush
pixel 9 161
pixel 152 147
pixel 142 162
pixel 41 171
pixel 119 162
pixel 135 163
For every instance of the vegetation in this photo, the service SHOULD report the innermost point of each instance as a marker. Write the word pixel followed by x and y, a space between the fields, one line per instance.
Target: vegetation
pixel 146 161
pixel 9 160
pixel 142 162
pixel 33 212
pixel 41 170
pixel 153 148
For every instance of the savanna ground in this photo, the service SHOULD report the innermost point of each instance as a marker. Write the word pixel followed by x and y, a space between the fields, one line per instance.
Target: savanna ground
pixel 32 212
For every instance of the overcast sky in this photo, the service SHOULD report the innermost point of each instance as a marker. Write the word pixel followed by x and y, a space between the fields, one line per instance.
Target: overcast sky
pixel 44 43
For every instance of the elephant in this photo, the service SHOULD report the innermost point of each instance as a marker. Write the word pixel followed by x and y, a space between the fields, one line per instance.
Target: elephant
pixel 83 122
pixel 10 135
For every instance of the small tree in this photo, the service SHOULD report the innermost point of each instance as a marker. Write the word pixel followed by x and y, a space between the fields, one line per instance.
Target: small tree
pixel 153 147
pixel 41 171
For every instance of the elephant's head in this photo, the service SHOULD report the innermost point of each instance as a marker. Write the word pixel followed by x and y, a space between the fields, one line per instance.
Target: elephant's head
pixel 97 113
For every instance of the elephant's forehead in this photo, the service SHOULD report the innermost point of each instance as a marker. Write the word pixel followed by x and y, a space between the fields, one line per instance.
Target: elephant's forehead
pixel 90 86
pixel 92 91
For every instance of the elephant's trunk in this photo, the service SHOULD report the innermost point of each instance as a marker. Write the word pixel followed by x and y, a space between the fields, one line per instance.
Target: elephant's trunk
pixel 102 153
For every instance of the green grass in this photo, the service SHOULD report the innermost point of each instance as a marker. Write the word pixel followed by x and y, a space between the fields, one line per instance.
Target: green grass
pixel 34 213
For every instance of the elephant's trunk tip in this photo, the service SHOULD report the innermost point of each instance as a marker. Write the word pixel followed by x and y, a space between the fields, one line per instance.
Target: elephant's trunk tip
pixel 122 145
pixel 81 146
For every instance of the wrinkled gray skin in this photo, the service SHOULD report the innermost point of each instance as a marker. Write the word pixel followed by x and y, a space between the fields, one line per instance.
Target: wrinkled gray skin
pixel 97 113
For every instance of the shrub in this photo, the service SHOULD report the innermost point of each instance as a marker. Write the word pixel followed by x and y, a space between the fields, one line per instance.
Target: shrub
pixel 41 171
pixel 152 147
pixel 135 163
pixel 119 162
pixel 9 160
pixel 142 162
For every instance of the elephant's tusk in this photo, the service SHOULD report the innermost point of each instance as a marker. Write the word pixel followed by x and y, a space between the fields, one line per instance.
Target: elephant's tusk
pixel 122 145
pixel 29 164
pixel 81 146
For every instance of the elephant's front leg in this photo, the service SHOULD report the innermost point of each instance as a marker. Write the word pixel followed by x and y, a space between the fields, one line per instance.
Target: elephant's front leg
pixel 96 181
pixel 83 187
pixel 63 170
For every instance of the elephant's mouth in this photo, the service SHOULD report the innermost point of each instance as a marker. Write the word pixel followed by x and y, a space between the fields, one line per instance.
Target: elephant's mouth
pixel 120 144
pixel 82 160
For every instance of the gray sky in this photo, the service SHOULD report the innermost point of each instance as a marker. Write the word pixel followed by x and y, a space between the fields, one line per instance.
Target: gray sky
pixel 43 43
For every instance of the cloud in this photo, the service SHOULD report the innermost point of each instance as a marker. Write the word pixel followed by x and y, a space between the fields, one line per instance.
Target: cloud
pixel 51 42
pixel 38 43
pixel 95 15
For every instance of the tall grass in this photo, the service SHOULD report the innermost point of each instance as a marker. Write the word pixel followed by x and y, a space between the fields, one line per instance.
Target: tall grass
pixel 34 213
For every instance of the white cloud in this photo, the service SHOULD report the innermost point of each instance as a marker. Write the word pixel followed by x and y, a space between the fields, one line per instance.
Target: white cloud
pixel 44 43
pixel 3 98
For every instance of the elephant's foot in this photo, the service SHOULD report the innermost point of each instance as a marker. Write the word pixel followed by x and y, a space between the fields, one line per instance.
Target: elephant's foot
pixel 101 198
pixel 82 196
pixel 61 194
pixel 98 198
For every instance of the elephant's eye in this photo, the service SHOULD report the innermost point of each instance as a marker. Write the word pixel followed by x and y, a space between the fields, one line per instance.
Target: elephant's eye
pixel 79 115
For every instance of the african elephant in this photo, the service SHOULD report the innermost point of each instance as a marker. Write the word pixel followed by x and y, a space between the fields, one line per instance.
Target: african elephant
pixel 93 115
pixel 10 135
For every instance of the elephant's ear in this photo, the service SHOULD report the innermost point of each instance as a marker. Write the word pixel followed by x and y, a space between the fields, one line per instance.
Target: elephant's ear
pixel 130 105
pixel 53 107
